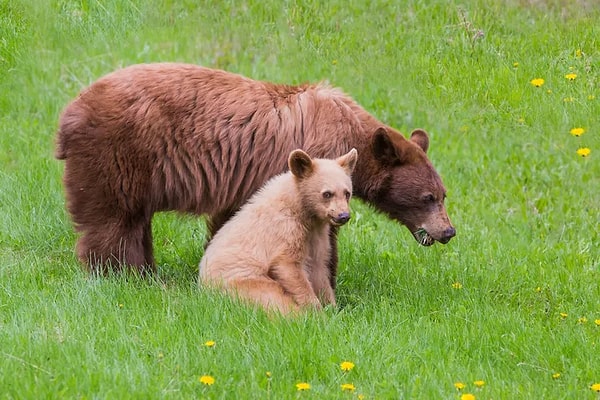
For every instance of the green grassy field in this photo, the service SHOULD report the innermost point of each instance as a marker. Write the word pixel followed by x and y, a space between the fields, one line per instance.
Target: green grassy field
pixel 513 300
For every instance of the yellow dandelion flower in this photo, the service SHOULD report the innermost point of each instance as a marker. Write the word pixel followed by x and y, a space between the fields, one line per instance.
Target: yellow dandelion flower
pixel 556 375
pixel 538 289
pixel 563 315
pixel 361 397
pixel 578 53
pixel 537 82
pixel 334 62
pixel 459 385
pixel 597 322
pixel 577 131
pixel 467 396
pixel 457 285
pixel 549 91
pixel 521 120
pixel 591 97
pixel 120 305
pixel 348 387
pixel 584 151
pixel 210 343
pixel 515 64
pixel 479 384
pixel 595 387
pixel 581 320
pixel 207 380
pixel 568 99
pixel 268 374
pixel 302 386
pixel 347 366
pixel 571 76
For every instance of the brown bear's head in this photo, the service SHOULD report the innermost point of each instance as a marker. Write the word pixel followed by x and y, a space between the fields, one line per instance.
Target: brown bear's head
pixel 399 179
pixel 324 185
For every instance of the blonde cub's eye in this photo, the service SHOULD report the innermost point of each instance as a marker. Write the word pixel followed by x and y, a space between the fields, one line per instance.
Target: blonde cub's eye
pixel 327 195
pixel 347 195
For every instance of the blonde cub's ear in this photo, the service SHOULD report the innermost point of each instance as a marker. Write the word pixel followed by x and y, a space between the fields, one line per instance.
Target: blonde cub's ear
pixel 300 164
pixel 348 161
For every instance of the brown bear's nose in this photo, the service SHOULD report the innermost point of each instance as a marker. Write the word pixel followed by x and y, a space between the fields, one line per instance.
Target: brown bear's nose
pixel 448 234
pixel 342 218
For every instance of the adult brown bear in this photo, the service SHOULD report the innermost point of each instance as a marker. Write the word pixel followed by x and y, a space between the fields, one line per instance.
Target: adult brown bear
pixel 158 137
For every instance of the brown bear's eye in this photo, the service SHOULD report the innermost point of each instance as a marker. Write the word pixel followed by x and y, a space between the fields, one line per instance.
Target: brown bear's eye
pixel 430 198
pixel 327 195
pixel 347 194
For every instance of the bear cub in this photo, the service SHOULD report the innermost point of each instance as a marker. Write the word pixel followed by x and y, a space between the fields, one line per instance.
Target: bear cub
pixel 274 252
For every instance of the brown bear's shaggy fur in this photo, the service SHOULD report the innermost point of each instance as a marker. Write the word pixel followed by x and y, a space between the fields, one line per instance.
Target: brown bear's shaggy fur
pixel 159 137
pixel 275 250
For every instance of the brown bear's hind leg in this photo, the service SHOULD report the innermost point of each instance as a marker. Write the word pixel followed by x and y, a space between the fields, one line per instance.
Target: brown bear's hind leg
pixel 116 246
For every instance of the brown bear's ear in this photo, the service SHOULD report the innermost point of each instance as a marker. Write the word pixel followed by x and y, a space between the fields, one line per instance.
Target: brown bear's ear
pixel 383 147
pixel 348 161
pixel 300 164
pixel 419 136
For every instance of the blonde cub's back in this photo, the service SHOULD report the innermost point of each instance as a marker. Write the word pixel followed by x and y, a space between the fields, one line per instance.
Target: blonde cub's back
pixel 247 242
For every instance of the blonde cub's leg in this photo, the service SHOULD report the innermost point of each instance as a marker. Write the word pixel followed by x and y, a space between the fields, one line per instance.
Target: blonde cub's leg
pixel 320 275
pixel 321 284
pixel 265 292
pixel 294 282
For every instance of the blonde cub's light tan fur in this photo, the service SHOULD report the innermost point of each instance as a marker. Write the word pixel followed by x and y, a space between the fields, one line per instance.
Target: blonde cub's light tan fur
pixel 275 250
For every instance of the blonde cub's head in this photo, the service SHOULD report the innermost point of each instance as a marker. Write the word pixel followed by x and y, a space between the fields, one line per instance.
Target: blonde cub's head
pixel 324 185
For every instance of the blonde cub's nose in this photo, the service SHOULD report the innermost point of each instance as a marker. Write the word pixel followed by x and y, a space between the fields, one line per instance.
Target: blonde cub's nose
pixel 342 218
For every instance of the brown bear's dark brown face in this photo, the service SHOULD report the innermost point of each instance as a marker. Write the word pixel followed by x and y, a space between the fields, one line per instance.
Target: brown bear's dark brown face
pixel 406 186
pixel 415 197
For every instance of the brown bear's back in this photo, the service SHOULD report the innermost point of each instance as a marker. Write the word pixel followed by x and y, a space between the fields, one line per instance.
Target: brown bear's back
pixel 187 138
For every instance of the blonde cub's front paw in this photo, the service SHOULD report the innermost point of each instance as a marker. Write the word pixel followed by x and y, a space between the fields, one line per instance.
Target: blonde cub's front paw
pixel 311 302
pixel 327 297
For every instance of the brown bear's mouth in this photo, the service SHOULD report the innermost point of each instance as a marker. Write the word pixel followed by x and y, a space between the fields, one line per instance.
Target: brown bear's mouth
pixel 424 238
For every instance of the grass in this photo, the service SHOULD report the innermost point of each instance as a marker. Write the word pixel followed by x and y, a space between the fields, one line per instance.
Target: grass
pixel 512 300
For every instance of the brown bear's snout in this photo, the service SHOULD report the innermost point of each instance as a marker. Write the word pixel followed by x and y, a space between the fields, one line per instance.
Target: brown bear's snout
pixel 342 218
pixel 447 235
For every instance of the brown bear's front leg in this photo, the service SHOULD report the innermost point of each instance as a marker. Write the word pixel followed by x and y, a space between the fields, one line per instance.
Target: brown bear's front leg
pixel 333 256
pixel 215 222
